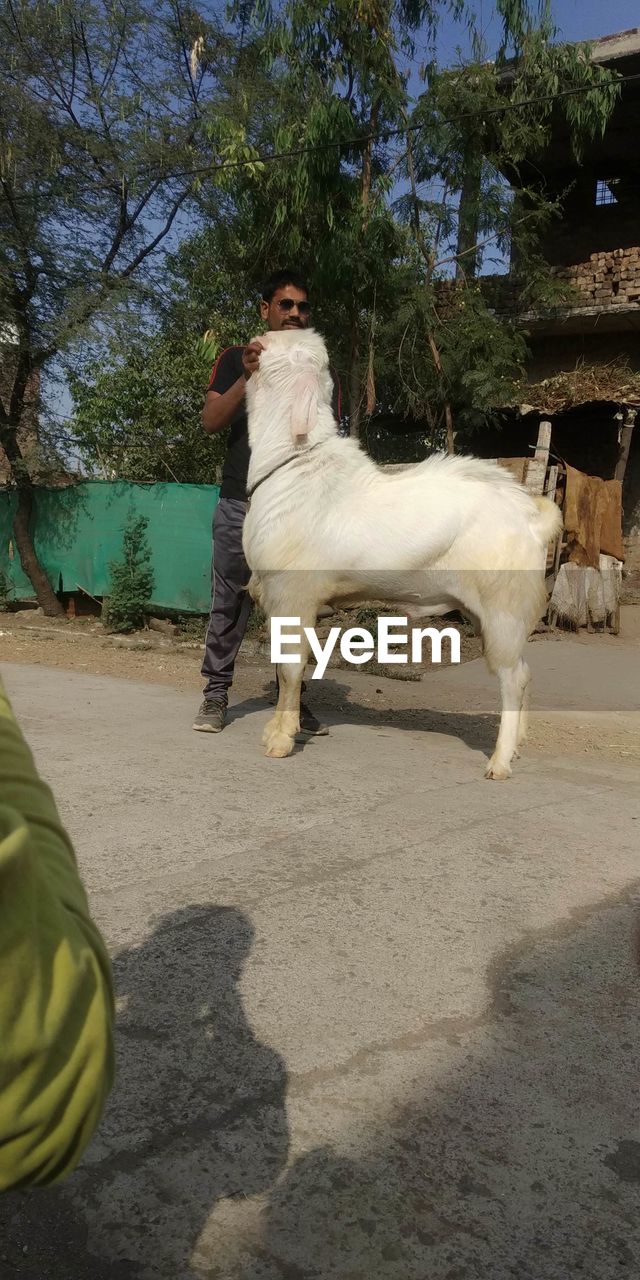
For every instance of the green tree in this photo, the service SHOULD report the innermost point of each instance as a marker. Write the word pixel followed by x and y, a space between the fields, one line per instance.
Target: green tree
pixel 470 128
pixel 377 263
pixel 131 579
pixel 109 112
pixel 136 409
pixel 137 417
pixel 328 207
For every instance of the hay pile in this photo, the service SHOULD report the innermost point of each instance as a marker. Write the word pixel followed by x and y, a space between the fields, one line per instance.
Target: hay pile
pixel 588 383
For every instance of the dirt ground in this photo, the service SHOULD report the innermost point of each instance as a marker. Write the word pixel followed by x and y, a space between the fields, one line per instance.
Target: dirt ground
pixel 83 645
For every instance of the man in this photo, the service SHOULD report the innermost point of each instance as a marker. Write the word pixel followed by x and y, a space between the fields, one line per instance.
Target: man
pixel 285 305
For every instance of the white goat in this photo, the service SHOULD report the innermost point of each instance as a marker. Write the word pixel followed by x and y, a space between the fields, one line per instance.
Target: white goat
pixel 325 524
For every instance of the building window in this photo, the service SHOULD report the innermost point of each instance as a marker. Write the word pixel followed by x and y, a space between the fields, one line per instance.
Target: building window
pixel 606 191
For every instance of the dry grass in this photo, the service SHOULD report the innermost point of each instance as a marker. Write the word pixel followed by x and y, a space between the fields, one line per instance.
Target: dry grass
pixel 587 383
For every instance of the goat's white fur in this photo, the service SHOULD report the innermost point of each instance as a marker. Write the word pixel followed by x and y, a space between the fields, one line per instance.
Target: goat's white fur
pixel 450 533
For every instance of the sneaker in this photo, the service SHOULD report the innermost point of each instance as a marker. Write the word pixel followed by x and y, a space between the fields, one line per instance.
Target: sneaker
pixel 211 716
pixel 310 723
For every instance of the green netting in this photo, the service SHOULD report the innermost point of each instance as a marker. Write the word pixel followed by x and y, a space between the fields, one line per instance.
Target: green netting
pixel 78 530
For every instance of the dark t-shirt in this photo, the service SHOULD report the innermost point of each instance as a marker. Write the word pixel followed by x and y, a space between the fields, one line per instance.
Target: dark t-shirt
pixel 226 371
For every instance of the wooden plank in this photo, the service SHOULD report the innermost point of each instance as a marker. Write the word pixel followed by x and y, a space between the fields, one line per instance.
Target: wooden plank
pixel 536 475
pixel 559 549
pixel 552 484
pixel 517 467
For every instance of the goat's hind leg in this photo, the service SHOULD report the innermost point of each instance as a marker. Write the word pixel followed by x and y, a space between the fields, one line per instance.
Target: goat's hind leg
pixel 523 723
pixel 513 685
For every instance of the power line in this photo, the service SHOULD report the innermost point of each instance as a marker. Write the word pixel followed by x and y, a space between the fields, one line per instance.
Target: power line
pixel 385 135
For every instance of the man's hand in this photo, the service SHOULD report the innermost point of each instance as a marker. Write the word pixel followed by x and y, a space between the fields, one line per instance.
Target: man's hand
pixel 251 357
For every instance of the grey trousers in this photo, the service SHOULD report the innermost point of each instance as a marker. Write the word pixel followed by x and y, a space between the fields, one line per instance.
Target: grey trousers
pixel 230 602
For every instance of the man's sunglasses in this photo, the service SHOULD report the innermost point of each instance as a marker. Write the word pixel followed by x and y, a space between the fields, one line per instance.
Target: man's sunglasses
pixel 287 304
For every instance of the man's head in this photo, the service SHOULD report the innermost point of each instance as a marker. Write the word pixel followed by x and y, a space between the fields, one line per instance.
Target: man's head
pixel 285 301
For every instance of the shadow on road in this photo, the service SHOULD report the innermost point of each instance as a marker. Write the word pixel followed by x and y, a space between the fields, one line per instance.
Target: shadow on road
pixel 519 1161
pixel 500 1147
pixel 197 1113
pixel 337 703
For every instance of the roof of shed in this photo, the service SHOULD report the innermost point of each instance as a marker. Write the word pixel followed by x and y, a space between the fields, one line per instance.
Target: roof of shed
pixel 588 385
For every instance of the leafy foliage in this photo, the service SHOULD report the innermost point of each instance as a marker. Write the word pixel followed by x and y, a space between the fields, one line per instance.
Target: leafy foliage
pixel 109 115
pixel 475 127
pixel 137 417
pixel 136 412
pixel 105 115
pixel 131 579
pixel 148 112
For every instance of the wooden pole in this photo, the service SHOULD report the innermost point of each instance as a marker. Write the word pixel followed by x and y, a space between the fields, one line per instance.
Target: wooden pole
pixel 536 473
pixel 625 443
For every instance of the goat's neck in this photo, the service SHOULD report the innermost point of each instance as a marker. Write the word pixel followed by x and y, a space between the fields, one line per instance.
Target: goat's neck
pixel 271 440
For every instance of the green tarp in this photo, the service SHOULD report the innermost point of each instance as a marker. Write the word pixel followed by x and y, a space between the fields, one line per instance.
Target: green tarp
pixel 78 530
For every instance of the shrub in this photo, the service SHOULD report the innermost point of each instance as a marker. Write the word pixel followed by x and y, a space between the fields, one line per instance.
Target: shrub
pixel 131 579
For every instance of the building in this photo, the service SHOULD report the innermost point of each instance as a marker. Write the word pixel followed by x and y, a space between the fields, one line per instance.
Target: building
pixel 584 370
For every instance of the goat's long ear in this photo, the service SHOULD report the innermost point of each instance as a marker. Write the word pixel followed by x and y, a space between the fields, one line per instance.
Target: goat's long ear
pixel 304 411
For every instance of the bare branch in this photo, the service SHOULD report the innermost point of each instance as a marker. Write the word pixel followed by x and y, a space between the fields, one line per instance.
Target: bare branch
pixel 144 200
pixel 111 70
pixel 30 271
pixel 164 231
pixel 185 54
pixel 417 225
pixel 480 244
pixel 97 95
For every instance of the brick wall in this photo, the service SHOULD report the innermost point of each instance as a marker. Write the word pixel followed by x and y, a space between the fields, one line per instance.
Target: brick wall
pixel 587 228
pixel 607 279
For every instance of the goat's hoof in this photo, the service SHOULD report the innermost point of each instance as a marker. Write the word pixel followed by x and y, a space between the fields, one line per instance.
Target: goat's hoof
pixel 497 772
pixel 270 730
pixel 279 746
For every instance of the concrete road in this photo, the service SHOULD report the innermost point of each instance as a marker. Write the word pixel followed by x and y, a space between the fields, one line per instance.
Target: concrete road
pixel 378 1018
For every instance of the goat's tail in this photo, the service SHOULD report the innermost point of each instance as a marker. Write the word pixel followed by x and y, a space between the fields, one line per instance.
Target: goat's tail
pixel 254 587
pixel 547 521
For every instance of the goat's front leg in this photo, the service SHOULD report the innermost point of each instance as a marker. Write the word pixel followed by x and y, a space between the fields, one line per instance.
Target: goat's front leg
pixel 513 684
pixel 280 732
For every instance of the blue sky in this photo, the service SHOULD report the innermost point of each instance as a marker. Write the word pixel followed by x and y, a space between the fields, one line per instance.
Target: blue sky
pixel 575 19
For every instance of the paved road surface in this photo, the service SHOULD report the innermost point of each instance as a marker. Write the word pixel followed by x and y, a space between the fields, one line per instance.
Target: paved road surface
pixel 378 1018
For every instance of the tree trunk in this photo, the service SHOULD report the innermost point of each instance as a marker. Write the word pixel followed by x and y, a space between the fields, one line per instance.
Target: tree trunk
pixel 355 373
pixel 468 214
pixel 22 413
pixel 355 380
pixel 429 263
pixel 448 415
pixel 45 594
